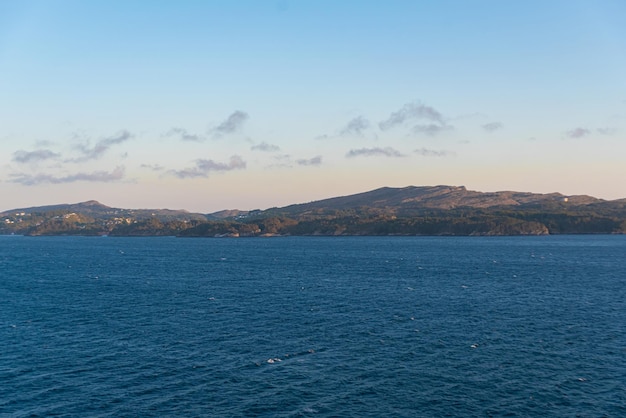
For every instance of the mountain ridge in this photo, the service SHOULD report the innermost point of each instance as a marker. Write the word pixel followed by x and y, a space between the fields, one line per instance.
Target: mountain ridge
pixel 445 197
pixel 410 210
pixel 439 197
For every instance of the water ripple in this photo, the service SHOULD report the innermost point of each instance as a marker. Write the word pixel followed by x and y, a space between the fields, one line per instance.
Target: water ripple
pixel 300 327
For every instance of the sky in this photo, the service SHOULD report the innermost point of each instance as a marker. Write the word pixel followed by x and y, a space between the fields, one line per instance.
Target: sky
pixel 211 105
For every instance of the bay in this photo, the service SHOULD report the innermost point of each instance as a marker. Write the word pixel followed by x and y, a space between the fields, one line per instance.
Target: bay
pixel 313 326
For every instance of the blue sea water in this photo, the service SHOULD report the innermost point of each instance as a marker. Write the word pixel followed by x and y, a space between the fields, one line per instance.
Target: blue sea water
pixel 313 326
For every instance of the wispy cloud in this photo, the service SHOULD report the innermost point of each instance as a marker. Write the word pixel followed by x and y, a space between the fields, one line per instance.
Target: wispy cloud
pixel 472 115
pixel 355 127
pixel 281 161
pixel 44 143
pixel 34 156
pixel 264 146
pixel 315 161
pixel 101 147
pixel 95 176
pixel 411 111
pixel 430 129
pixel 203 167
pixel 425 152
pixel 184 135
pixel 492 126
pixel 374 152
pixel 578 133
pixel 153 167
pixel 584 132
pixel 606 131
pixel 231 125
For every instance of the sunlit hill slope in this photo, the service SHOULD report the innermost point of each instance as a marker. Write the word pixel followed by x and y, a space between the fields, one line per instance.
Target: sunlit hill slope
pixel 427 210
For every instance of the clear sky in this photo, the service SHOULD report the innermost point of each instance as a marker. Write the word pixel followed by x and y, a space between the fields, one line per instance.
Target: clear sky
pixel 209 105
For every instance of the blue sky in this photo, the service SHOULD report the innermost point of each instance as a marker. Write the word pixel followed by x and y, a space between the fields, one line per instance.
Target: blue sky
pixel 208 105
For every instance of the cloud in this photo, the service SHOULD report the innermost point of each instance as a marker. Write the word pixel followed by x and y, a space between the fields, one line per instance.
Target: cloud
pixel 430 129
pixel 578 133
pixel 44 143
pixel 281 161
pixel 472 115
pixel 412 111
pixel 153 167
pixel 355 127
pixel 606 131
pixel 424 152
pixel 183 135
pixel 231 125
pixel 204 167
pixel 315 161
pixel 34 156
pixel 264 146
pixel 492 126
pixel 95 176
pixel 374 152
pixel 101 147
pixel 286 161
pixel 583 132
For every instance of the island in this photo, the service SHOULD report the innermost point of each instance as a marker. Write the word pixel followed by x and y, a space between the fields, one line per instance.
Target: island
pixel 412 210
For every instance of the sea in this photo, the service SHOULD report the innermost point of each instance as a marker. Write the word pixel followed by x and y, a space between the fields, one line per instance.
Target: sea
pixel 313 326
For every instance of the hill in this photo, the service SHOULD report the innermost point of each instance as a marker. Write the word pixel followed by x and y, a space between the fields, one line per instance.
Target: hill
pixel 426 210
pixel 407 199
pixel 94 218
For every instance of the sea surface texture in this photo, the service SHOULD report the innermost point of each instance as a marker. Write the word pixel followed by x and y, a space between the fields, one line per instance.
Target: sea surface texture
pixel 313 326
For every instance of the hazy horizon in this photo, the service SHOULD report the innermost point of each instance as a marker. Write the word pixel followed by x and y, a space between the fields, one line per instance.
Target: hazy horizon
pixel 206 106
